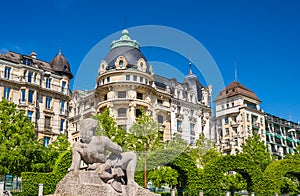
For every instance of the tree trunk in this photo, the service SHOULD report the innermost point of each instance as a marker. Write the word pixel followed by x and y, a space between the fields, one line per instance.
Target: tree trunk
pixel 145 168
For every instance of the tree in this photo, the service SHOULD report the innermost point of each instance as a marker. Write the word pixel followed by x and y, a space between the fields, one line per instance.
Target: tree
pixel 165 175
pixel 17 140
pixel 204 151
pixel 256 151
pixel 234 182
pixel 48 155
pixel 109 128
pixel 145 135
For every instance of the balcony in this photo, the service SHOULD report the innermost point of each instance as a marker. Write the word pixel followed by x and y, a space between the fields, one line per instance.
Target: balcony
pixel 234 124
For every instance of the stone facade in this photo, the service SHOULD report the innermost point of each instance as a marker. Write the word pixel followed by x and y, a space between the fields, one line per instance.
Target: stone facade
pixel 39 88
pixel 126 84
pixel 238 114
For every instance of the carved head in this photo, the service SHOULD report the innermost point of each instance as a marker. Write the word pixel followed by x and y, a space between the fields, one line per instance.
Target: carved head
pixel 88 128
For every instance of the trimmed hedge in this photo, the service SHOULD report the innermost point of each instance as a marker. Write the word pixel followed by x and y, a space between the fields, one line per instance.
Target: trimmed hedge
pixel 214 171
pixel 31 180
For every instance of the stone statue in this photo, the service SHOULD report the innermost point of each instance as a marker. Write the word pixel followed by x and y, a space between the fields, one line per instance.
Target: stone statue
pixel 91 149
pixel 105 174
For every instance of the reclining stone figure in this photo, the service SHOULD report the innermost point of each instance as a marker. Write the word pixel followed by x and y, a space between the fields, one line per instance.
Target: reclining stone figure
pixel 91 149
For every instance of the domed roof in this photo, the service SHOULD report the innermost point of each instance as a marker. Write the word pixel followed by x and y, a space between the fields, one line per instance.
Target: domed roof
pixel 129 49
pixel 61 65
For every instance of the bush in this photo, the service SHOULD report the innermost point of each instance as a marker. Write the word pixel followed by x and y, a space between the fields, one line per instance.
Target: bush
pixel 31 180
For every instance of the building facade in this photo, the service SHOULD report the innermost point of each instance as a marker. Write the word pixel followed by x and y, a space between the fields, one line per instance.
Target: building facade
pixel 238 115
pixel 39 88
pixel 282 136
pixel 126 85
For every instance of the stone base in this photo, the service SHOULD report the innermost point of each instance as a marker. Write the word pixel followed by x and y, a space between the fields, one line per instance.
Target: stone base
pixel 88 183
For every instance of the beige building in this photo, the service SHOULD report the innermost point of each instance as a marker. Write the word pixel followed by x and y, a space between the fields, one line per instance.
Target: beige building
pixel 126 84
pixel 238 115
pixel 39 88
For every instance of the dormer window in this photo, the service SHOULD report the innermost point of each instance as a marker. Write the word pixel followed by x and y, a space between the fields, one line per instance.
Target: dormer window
pixel 121 63
pixel 27 61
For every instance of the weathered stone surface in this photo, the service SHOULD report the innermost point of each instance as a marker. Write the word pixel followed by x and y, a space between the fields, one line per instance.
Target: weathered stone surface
pixel 88 183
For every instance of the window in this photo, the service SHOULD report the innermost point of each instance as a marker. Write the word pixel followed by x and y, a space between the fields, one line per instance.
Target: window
pixel 141 79
pixel 27 61
pixel 47 122
pixel 29 79
pixel 63 86
pixel 227 143
pixel 227 131
pixel 139 96
pixel 122 112
pixel 108 79
pixel 7 72
pixel 23 95
pixel 61 127
pixel 46 141
pixel 105 97
pixel 160 119
pixel 6 92
pixel 29 114
pixel 48 102
pixel 134 78
pixel 146 81
pixel 138 112
pixel 30 96
pixel 159 101
pixel 226 120
pixel 62 106
pixel 48 83
pixel 121 63
pixel 127 77
pixel 192 131
pixel 179 126
pixel 192 140
pixel 248 117
pixel 122 94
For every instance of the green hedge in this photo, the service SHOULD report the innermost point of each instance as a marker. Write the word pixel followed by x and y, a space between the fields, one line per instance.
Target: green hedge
pixel 31 180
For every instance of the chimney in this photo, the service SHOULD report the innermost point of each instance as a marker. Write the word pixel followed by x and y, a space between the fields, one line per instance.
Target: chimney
pixel 33 55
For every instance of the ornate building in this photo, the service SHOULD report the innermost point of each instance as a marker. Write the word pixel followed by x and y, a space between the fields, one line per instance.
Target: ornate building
pixel 39 88
pixel 238 114
pixel 282 136
pixel 126 84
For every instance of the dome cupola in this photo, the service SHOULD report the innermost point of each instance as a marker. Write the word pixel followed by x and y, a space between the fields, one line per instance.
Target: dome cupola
pixel 61 65
pixel 125 54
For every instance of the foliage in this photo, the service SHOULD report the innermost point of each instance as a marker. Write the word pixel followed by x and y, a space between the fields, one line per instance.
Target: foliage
pixel 256 152
pixel 165 175
pixel 215 170
pixel 31 180
pixel 204 151
pixel 17 140
pixel 275 176
pixel 144 136
pixel 234 182
pixel 109 128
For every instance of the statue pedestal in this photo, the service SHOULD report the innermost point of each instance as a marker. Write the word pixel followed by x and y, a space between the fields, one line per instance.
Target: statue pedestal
pixel 88 183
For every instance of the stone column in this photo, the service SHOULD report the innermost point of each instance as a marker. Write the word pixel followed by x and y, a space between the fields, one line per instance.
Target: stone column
pixel 252 193
pixel 200 192
pixel 1 188
pixel 40 190
pixel 173 193
pixel 227 193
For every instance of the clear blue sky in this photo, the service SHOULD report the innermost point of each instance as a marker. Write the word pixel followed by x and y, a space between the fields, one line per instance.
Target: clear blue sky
pixel 261 37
